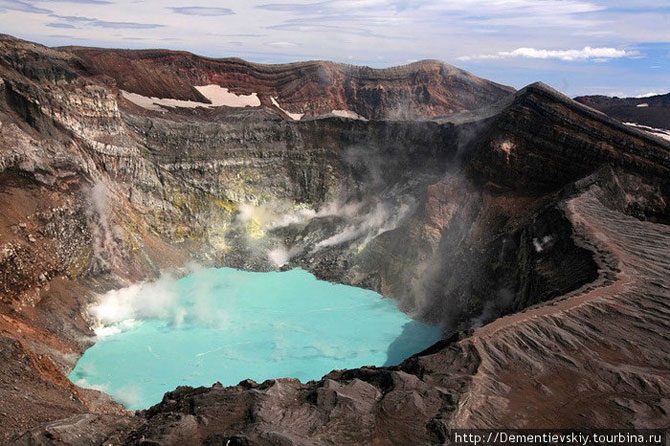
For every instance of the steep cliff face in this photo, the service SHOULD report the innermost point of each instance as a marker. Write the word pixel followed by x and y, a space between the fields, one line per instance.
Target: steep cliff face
pixel 422 89
pixel 462 219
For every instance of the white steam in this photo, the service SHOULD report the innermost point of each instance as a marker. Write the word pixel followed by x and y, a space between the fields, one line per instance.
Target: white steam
pixel 355 221
pixel 277 214
pixel 493 308
pixel 280 255
pixel 156 300
pixel 105 247
pixel 381 218
pixel 343 210
pixel 543 243
pixel 163 300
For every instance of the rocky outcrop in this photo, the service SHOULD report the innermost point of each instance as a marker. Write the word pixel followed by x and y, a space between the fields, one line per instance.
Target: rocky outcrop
pixel 533 208
pixel 544 139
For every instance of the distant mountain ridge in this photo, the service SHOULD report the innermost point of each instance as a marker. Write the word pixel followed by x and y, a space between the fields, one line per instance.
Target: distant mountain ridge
pixel 422 89
pixel 652 111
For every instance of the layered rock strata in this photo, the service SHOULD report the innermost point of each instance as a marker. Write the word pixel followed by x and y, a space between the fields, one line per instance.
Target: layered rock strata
pixel 534 226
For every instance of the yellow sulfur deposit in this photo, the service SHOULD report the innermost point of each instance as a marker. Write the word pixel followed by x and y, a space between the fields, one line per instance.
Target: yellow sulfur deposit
pixel 255 229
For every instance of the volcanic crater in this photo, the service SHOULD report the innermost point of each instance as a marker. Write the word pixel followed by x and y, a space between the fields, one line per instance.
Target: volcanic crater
pixel 531 228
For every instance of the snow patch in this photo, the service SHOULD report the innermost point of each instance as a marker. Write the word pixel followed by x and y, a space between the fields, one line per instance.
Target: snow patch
pixel 347 114
pixel 660 133
pixel 221 96
pixel 217 95
pixel 294 116
pixel 649 94
pixel 642 105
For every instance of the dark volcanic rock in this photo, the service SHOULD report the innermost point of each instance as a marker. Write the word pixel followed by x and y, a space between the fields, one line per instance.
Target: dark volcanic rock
pixel 368 405
pixel 544 139
pixel 653 111
pixel 79 430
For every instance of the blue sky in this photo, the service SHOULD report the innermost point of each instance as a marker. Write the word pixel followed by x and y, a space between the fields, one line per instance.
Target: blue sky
pixel 612 47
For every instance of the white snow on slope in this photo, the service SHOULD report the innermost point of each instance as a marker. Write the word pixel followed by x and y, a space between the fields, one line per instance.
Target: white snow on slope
pixel 218 96
pixel 347 114
pixel 294 116
pixel 661 133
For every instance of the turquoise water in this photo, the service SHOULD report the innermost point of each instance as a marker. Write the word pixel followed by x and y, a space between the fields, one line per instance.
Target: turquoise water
pixel 227 325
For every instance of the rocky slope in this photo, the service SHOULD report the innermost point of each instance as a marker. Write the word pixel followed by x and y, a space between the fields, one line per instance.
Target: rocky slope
pixel 534 207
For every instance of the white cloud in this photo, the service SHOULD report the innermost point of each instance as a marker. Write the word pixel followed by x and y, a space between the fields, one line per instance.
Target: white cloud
pixel 379 33
pixel 586 53
pixel 202 11
pixel 650 94
pixel 282 44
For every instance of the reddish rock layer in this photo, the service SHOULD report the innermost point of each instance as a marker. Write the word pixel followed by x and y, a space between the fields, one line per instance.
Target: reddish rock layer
pixel 422 89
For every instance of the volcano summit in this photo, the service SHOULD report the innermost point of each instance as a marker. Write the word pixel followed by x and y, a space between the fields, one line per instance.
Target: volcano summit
pixel 530 228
